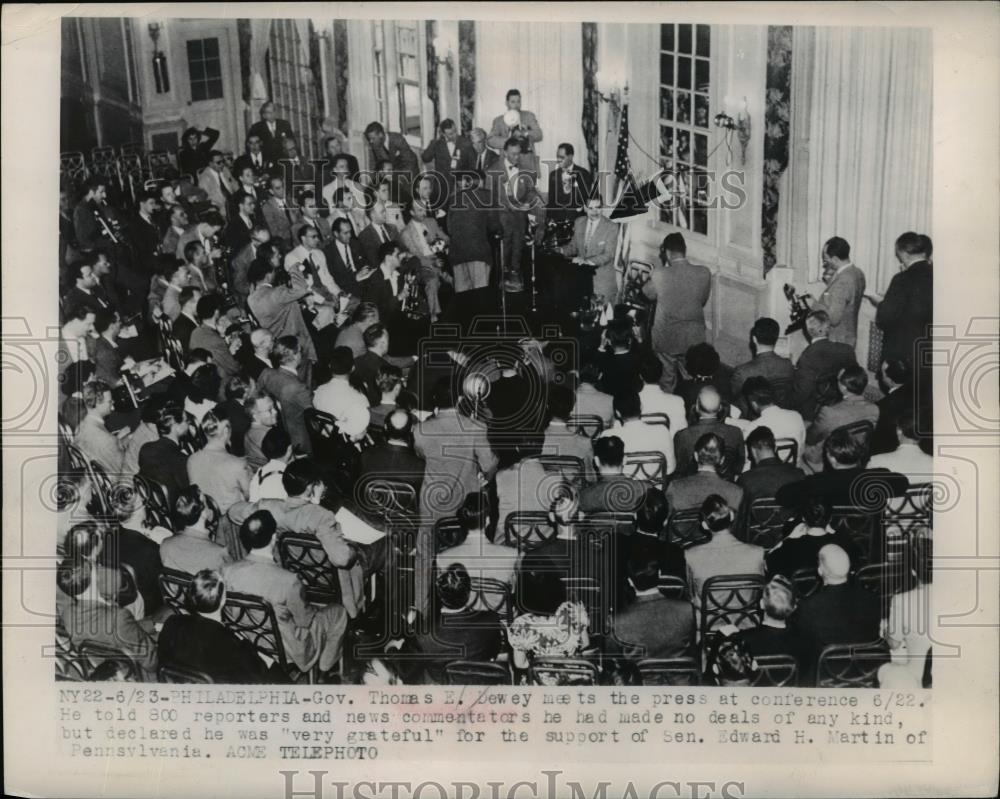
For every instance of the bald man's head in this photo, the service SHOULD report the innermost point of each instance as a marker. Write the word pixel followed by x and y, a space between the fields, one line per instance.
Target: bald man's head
pixel 709 401
pixel 834 565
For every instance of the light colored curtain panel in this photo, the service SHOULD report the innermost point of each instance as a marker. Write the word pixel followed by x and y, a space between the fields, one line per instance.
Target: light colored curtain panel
pixel 542 60
pixel 870 153
pixel 260 38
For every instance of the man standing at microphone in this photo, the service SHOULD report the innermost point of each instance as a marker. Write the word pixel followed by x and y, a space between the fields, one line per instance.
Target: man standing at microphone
pixel 522 125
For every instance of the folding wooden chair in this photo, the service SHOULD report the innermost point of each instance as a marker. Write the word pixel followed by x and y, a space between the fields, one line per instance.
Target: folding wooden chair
pixel 303 554
pixel 175 674
pixel 476 672
pixel 684 528
pixel 775 671
pixel 562 671
pixel 766 521
pixel 648 466
pixel 787 450
pixel 528 530
pixel 588 424
pixel 669 671
pixel 731 599
pixel 174 586
pixel 851 665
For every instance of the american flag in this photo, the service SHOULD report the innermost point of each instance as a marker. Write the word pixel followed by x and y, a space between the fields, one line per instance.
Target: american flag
pixel 622 166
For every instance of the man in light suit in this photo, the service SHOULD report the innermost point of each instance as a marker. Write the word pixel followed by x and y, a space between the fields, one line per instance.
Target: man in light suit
pixel 418 238
pixel 458 459
pixel 594 240
pixel 449 153
pixel 852 382
pixel 279 217
pixel 283 383
pixel 277 307
pixel 212 182
pixel 272 132
pixel 681 290
pixel 484 159
pixel 843 294
pixel 528 132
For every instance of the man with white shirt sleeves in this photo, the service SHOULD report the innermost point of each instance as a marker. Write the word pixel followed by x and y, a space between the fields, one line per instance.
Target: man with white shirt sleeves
pixel 636 435
pixel 423 238
pixel 312 262
pixel 340 399
pixel 655 400
pixel 267 481
pixel 909 458
pixel 784 424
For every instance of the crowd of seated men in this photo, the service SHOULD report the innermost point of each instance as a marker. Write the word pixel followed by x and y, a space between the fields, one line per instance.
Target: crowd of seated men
pixel 261 482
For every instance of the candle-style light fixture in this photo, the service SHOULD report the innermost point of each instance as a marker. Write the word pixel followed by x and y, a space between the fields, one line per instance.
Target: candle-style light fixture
pixel 161 76
pixel 739 123
pixel 444 54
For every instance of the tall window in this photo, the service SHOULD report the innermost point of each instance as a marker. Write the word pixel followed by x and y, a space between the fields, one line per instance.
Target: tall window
pixel 408 77
pixel 379 71
pixel 292 84
pixel 685 52
pixel 205 69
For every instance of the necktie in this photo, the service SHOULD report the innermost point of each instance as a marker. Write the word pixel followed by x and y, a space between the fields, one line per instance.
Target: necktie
pixel 590 233
pixel 347 257
pixel 480 163
pixel 381 233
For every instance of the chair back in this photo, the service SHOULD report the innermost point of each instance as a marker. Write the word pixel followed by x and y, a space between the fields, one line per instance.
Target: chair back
pixel 587 424
pixel 154 497
pixel 787 450
pixel 861 431
pixel 672 586
pixel 381 496
pixel 252 618
pixel 616 523
pixel 637 275
pixel 766 521
pixel 528 530
pixel 588 592
pixel 174 673
pixel 731 599
pixel 447 532
pixel 684 528
pixel 476 672
pixel 669 671
pixel 93 654
pixel 569 467
pixel 494 595
pixel 859 526
pixel 562 671
pixel 806 582
pixel 774 671
pixel 851 665
pixel 303 554
pixel 323 430
pixel 647 465
pixel 656 418
pixel 174 585
pixel 906 517
pixel 80 462
pixel 70 665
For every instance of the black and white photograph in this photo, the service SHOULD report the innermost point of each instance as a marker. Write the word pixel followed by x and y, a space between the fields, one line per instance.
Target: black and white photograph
pixel 530 378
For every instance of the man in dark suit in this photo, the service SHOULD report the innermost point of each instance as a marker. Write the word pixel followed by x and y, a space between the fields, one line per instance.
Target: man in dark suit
pixel 570 186
pixel 839 613
pixel 896 381
pixel 768 473
pixel 86 291
pixel 688 492
pixel 906 311
pixel 162 460
pixel 449 153
pixel 842 297
pixel 376 234
pixel 395 459
pixel 207 337
pixel 458 631
pixel 471 222
pixel 514 189
pixel 282 382
pixel 485 159
pixel 652 626
pixel 108 358
pixel 193 156
pixel 200 641
pixel 852 407
pixel 818 364
pixel 144 236
pixel 392 147
pixel 613 491
pixel 681 290
pixel 780 372
pixel 846 481
pixel 387 287
pixel 272 132
pixel 254 156
pixel 240 226
pixel 710 416
pixel 187 321
pixel 345 259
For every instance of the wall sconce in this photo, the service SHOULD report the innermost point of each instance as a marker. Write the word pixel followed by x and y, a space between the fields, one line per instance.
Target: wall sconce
pixel 160 74
pixel 740 124
pixel 444 53
pixel 612 89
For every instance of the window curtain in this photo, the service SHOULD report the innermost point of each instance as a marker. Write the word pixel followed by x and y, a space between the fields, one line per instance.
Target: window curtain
pixel 259 42
pixel 870 150
pixel 543 61
pixel 777 118
pixel 340 70
pixel 433 90
pixel 467 73
pixel 591 100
